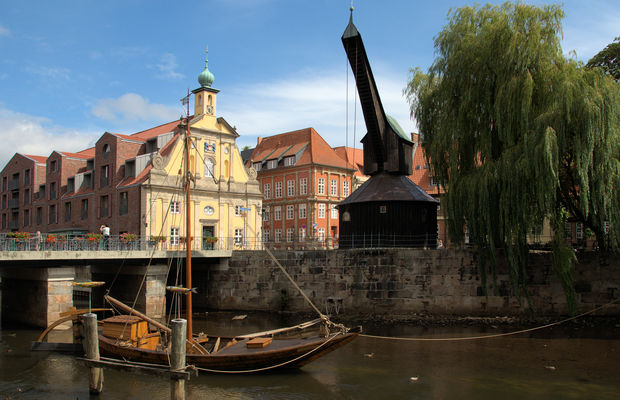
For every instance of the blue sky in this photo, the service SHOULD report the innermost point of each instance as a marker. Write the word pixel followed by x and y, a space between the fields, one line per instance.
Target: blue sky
pixel 71 70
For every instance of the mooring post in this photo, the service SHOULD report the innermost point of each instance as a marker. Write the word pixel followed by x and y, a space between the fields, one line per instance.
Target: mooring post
pixel 177 357
pixel 91 348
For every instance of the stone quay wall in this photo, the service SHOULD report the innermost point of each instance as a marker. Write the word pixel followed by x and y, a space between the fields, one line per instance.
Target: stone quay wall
pixel 405 281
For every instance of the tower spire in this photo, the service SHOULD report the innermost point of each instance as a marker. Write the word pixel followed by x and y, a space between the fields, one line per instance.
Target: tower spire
pixel 351 8
pixel 206 78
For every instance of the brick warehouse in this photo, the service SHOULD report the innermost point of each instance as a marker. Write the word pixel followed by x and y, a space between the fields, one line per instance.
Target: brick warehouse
pixel 302 179
pixel 131 182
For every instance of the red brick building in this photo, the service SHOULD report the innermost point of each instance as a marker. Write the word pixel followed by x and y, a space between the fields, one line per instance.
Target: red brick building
pixel 77 192
pixel 421 176
pixel 20 182
pixel 302 180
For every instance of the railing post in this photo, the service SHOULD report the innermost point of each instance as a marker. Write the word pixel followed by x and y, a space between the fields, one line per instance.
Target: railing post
pixel 177 357
pixel 91 348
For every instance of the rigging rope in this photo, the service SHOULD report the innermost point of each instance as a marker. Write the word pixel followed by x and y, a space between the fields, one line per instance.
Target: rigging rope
pixel 414 339
pixel 282 364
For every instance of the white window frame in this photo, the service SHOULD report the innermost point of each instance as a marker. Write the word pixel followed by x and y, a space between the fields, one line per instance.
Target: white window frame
pixel 175 238
pixel 334 212
pixel 278 190
pixel 345 189
pixel 238 238
pixel 272 164
pixel 321 234
pixel 302 211
pixel 333 190
pixel 267 190
pixel 266 235
pixel 175 207
pixel 290 188
pixel 277 213
pixel 303 186
pixel 289 161
pixel 321 186
pixel 278 235
pixel 257 166
pixel 302 234
pixel 290 212
pixel 290 232
pixel 237 211
pixel 321 211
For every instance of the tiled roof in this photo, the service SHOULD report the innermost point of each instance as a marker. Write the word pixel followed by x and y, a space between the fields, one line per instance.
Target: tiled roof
pixel 39 159
pixel 83 154
pixel 129 137
pixel 353 156
pixel 156 131
pixel 314 149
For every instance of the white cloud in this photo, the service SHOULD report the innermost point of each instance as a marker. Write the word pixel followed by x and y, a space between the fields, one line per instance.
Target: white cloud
pixel 133 107
pixel 167 66
pixel 28 134
pixel 315 100
pixel 4 31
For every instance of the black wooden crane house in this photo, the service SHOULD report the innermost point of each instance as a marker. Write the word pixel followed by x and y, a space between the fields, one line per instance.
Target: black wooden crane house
pixel 388 210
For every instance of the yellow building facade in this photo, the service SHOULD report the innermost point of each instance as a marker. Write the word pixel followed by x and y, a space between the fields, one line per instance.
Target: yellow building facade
pixel 226 202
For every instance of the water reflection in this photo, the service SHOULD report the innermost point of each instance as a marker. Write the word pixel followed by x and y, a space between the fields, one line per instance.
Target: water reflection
pixel 584 367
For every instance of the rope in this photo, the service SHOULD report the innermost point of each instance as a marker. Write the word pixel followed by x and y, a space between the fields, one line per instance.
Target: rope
pixel 414 339
pixel 323 317
pixel 249 371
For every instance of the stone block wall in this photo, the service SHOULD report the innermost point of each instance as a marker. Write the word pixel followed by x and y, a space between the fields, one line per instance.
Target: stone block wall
pixel 404 281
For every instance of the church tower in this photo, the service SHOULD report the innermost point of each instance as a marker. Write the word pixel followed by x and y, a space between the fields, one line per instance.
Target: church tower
pixel 205 96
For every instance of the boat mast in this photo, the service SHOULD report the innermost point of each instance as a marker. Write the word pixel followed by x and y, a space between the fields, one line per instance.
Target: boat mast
pixel 188 238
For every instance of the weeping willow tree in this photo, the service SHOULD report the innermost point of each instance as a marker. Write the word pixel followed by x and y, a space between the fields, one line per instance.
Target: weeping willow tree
pixel 517 134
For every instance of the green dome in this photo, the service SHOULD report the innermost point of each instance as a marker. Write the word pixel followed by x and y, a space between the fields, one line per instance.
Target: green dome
pixel 206 78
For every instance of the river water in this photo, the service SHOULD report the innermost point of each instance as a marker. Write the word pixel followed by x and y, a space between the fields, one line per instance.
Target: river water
pixel 569 362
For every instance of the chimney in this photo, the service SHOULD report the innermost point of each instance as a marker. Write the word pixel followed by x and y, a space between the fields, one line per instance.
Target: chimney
pixel 258 140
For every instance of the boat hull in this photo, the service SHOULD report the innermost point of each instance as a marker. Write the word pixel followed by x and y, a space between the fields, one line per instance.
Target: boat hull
pixel 237 358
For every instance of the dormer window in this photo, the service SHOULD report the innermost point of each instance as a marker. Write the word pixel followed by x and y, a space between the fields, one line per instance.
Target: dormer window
pixel 130 168
pixel 257 166
pixel 271 164
pixel 151 145
pixel 288 161
pixel 71 184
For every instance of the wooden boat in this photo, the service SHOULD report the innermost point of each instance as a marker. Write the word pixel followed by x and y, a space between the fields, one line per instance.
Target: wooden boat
pixel 285 348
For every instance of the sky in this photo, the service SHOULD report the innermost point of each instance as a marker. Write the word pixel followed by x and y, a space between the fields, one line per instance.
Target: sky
pixel 72 70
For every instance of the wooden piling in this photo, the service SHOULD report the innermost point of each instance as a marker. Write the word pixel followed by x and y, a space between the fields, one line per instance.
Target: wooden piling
pixel 177 357
pixel 91 349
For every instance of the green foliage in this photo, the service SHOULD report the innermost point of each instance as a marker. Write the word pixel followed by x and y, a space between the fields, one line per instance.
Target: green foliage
pixel 517 134
pixel 608 59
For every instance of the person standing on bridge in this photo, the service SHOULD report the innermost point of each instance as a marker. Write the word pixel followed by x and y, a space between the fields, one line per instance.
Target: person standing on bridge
pixel 105 231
